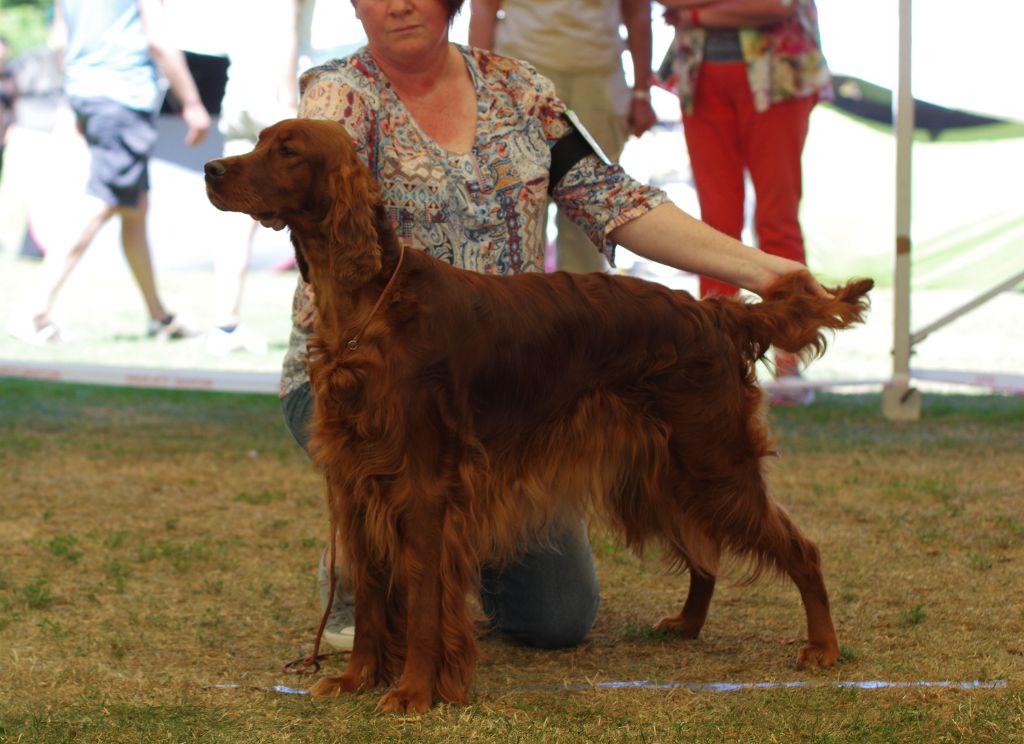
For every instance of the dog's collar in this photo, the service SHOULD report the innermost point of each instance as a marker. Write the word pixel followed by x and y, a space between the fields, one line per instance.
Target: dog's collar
pixel 353 343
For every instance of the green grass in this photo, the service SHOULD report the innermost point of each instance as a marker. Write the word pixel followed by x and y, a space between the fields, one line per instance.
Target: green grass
pixel 157 544
pixel 24 24
pixel 820 716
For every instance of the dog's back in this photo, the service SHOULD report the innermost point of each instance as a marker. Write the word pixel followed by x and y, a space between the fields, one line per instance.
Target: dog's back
pixel 606 386
pixel 532 345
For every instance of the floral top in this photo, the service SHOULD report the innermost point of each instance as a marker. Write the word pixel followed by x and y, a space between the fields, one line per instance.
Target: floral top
pixel 784 60
pixel 484 210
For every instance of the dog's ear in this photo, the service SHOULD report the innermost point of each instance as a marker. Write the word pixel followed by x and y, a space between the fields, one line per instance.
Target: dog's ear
pixel 349 226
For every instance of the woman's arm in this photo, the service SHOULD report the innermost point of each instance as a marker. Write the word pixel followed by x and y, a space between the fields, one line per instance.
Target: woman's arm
pixel 636 17
pixel 668 235
pixel 728 13
pixel 57 38
pixel 172 64
pixel 482 20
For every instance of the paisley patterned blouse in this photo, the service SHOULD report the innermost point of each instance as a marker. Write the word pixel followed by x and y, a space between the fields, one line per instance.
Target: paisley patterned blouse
pixel 484 210
pixel 784 60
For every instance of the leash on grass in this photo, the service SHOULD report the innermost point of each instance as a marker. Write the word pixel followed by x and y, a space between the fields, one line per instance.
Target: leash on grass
pixel 311 664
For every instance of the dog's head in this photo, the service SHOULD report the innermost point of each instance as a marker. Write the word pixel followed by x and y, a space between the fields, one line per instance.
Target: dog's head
pixel 305 174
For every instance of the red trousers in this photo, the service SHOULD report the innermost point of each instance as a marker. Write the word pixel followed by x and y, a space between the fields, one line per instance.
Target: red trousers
pixel 725 136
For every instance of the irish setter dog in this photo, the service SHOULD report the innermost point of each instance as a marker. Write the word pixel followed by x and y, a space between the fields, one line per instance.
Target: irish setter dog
pixel 459 415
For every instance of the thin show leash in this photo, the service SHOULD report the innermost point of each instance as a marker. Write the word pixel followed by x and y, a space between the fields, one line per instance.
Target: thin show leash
pixel 353 343
pixel 311 664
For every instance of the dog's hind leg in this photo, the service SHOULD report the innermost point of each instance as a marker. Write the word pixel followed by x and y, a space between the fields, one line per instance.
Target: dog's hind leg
pixel 800 558
pixel 688 623
pixel 691 546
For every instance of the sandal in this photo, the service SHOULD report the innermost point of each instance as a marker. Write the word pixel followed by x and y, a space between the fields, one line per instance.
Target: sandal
pixel 169 329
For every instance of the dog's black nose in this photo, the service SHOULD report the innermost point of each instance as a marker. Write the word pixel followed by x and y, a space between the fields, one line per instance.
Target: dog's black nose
pixel 214 169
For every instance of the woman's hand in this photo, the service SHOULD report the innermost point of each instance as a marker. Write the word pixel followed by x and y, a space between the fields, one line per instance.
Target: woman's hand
pixel 677 12
pixel 641 116
pixel 676 5
pixel 775 267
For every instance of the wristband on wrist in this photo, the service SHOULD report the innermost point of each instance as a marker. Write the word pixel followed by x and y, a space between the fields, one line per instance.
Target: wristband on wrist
pixel 694 18
pixel 641 94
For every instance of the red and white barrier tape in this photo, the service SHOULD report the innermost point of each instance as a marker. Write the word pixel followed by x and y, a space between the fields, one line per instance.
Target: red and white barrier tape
pixel 267 382
pixel 144 377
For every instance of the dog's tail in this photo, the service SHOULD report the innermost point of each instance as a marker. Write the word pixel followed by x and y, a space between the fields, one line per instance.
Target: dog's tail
pixel 792 318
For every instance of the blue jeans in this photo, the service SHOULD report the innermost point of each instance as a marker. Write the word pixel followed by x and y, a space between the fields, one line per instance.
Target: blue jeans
pixel 546 599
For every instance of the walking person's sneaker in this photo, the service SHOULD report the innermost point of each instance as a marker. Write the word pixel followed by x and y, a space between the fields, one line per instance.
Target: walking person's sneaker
pixel 35 333
pixel 223 340
pixel 169 329
pixel 340 631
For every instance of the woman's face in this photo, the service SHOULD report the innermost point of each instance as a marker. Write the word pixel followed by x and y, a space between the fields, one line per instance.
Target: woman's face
pixel 403 29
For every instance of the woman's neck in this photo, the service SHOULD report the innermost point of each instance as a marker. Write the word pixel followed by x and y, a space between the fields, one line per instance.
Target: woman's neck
pixel 438 93
pixel 420 76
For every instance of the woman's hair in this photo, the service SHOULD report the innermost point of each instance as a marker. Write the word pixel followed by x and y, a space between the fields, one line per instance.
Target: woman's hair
pixel 454 6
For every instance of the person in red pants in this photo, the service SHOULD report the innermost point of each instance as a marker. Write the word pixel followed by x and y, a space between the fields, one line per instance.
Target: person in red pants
pixel 749 72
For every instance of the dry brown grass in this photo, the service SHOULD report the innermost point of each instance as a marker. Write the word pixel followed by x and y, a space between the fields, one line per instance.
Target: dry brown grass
pixel 155 545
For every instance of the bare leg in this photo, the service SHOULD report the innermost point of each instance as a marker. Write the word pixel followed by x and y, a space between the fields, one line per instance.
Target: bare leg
pixel 136 251
pixel 230 263
pixel 57 269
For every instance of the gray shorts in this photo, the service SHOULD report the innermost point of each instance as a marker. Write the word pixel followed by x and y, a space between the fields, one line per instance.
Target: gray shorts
pixel 120 142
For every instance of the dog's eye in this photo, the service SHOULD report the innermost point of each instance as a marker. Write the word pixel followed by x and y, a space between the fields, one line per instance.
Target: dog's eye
pixel 287 152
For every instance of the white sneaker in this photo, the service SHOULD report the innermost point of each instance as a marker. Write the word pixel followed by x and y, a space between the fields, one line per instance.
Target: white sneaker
pixel 340 640
pixel 221 343
pixel 27 331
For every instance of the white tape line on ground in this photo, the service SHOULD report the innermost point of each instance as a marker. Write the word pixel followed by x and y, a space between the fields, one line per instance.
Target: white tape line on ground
pixel 871 684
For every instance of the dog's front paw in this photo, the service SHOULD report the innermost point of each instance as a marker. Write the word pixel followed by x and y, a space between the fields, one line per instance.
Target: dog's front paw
pixel 812 655
pixel 332 686
pixel 404 702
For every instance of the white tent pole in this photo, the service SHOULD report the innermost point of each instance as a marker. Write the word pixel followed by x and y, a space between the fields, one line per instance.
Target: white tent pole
pixel 1004 286
pixel 899 400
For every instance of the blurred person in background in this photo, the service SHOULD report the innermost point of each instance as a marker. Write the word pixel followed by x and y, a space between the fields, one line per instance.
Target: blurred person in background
pixel 577 46
pixel 113 52
pixel 262 88
pixel 749 73
pixel 8 94
pixel 266 54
